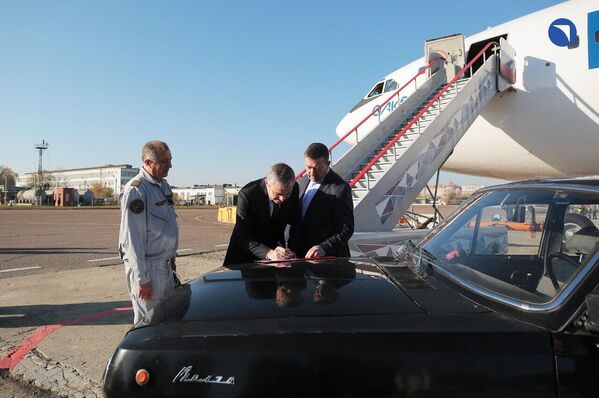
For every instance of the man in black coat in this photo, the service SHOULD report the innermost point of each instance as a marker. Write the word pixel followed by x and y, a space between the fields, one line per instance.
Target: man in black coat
pixel 264 208
pixel 327 210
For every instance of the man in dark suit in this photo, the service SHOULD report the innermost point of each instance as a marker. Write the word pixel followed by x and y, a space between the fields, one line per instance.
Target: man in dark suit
pixel 264 209
pixel 327 210
pixel 284 285
pixel 329 279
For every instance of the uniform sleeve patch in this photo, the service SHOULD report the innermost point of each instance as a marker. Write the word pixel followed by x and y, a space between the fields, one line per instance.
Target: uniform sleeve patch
pixel 137 206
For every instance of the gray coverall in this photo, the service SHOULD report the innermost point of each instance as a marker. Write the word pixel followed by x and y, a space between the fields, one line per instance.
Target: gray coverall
pixel 148 239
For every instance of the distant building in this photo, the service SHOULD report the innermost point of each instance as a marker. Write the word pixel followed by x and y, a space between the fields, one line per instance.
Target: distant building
pixel 449 193
pixel 65 197
pixel 201 194
pixel 443 191
pixel 469 189
pixel 10 195
pixel 112 176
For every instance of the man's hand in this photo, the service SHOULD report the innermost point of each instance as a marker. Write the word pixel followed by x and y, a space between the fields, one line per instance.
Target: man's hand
pixel 280 253
pixel 453 254
pixel 145 291
pixel 315 251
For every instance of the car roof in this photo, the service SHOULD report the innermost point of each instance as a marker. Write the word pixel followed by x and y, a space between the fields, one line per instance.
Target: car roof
pixel 586 181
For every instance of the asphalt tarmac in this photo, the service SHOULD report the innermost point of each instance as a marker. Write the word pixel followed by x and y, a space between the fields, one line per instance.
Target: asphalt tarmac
pixel 58 329
pixel 14 389
pixel 38 241
pixel 63 300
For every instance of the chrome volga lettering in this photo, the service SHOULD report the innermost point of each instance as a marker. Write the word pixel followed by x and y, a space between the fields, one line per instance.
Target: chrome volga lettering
pixel 186 375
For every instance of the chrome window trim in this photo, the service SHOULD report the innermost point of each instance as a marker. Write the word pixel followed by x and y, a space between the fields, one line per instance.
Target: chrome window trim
pixel 558 300
pixel 522 305
pixel 545 186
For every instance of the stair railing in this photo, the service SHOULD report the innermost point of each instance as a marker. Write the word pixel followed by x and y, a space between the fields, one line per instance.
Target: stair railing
pixel 415 118
pixel 354 130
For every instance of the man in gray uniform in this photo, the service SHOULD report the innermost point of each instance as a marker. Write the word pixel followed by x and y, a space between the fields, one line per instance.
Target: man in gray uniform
pixel 149 235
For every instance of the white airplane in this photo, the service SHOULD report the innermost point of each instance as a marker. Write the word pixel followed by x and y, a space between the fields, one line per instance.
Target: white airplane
pixel 547 124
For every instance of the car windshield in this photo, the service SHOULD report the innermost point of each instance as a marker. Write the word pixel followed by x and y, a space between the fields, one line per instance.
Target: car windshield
pixel 523 244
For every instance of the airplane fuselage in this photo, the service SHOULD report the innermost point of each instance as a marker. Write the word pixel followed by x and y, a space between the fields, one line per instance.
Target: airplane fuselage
pixel 547 124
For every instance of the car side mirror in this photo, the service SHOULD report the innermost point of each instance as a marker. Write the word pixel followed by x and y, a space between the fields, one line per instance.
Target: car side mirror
pixel 592 322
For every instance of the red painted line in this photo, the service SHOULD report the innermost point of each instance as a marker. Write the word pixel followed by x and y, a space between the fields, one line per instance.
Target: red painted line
pixel 15 356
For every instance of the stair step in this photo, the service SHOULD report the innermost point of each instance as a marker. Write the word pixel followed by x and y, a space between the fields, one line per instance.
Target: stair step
pixel 414 126
pixel 424 116
pixel 390 156
pixel 395 155
pixel 361 188
pixel 373 171
pixel 428 112
pixel 371 177
pixel 442 99
pixel 385 143
pixel 403 138
pixel 387 157
pixel 406 136
pixel 382 161
pixel 434 106
pixel 409 133
pixel 447 96
pixel 377 167
pixel 400 145
pixel 423 123
pixel 370 173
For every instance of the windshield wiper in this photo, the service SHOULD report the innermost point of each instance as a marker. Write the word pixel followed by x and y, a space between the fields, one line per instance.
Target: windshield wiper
pixel 427 254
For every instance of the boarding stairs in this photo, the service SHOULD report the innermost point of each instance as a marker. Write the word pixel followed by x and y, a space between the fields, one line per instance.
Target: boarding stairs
pixel 392 149
pixel 389 166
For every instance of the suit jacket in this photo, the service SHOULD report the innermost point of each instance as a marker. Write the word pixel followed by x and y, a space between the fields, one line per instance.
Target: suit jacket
pixel 263 282
pixel 256 231
pixel 336 275
pixel 329 219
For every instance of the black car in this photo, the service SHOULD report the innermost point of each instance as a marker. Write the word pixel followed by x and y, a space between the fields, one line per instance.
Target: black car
pixel 498 301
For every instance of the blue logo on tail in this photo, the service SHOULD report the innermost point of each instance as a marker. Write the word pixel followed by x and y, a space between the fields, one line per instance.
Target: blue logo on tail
pixel 593 39
pixel 562 32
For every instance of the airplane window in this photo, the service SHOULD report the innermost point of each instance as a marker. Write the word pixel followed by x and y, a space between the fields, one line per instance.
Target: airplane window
pixel 377 90
pixel 390 85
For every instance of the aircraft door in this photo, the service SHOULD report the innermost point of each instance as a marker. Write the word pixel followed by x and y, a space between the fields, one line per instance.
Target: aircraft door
pixel 593 29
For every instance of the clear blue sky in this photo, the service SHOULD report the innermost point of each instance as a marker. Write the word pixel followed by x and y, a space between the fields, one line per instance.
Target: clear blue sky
pixel 232 86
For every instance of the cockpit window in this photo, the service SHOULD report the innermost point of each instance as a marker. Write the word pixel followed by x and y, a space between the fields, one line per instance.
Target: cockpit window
pixel 390 85
pixel 377 90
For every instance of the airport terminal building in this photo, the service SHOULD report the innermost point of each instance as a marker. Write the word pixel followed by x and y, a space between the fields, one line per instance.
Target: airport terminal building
pixel 112 176
pixel 201 194
pixel 115 176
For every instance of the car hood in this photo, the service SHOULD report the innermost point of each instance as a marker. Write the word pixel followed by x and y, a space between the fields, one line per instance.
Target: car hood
pixel 330 288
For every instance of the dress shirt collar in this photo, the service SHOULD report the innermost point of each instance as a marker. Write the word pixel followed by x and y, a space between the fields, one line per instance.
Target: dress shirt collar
pixel 310 182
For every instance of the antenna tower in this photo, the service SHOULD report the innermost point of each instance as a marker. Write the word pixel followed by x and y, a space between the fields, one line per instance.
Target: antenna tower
pixel 41 148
